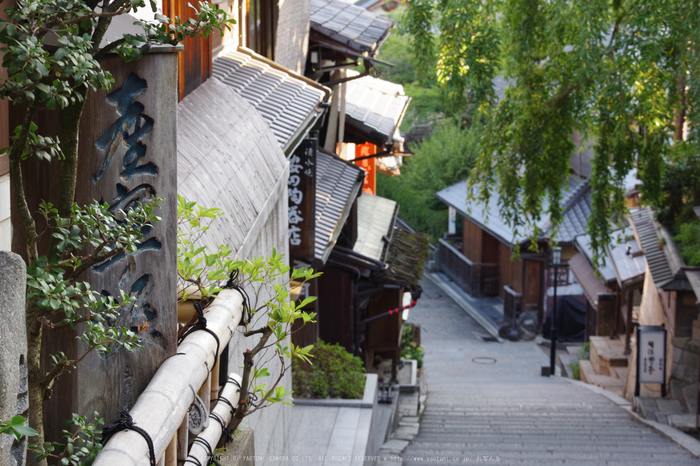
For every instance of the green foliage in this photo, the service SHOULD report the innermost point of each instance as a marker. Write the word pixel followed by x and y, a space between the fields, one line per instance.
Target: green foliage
pixel 271 313
pixel 410 349
pixel 200 270
pixel 618 72
pixel 426 104
pixel 17 428
pixel 575 368
pixel 585 351
pixel 51 51
pixel 689 243
pixel 680 190
pixel 445 158
pixel 63 301
pixel 82 443
pixel 335 373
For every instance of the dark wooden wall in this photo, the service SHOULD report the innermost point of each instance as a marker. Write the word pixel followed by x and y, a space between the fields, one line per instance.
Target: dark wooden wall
pixel 489 248
pixel 472 235
pixel 336 302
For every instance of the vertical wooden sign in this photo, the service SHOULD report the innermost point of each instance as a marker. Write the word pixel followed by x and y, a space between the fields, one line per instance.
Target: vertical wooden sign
pixel 301 190
pixel 128 155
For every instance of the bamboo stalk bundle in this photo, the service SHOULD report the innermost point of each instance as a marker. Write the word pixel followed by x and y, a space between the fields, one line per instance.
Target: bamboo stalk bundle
pixel 211 435
pixel 162 406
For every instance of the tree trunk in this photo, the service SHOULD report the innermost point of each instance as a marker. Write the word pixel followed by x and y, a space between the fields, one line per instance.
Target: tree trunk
pixel 35 389
pixel 68 174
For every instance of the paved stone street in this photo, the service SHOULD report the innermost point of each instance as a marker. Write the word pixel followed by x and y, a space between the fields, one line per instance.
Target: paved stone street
pixel 487 403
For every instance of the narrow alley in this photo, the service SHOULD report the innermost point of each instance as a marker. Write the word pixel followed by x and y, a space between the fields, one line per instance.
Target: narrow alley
pixel 487 403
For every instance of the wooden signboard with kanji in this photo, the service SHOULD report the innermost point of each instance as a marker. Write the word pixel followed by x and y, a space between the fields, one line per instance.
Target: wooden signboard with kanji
pixel 128 155
pixel 301 190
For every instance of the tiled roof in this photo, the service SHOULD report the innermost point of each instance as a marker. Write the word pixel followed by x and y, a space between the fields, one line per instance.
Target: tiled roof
pixel 356 27
pixel 586 277
pixel 375 107
pixel 656 259
pixel 227 157
pixel 619 264
pixel 375 221
pixel 337 185
pixel 575 202
pixel 577 208
pixel 583 244
pixel 287 101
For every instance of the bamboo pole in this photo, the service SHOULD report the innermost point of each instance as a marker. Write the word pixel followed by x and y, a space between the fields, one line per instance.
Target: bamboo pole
pixel 162 406
pixel 212 434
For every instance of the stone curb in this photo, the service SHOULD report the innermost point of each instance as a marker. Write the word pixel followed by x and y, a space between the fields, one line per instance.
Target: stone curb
pixel 684 440
pixel 367 402
pixel 468 308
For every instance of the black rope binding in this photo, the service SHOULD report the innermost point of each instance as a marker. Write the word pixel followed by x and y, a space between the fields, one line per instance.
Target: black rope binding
pixel 232 284
pixel 210 453
pixel 201 324
pixel 126 422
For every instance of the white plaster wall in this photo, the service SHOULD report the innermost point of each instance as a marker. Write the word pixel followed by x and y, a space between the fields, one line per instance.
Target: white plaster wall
pixel 5 226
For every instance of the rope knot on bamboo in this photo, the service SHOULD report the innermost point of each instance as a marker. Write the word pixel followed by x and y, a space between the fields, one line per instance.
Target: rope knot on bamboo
pixel 126 422
pixel 201 324
pixel 234 284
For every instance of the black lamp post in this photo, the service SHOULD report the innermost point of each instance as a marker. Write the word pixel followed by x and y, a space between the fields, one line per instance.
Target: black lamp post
pixel 556 262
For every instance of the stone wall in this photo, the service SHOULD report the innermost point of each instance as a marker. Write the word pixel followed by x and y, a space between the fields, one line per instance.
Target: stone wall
pixel 13 356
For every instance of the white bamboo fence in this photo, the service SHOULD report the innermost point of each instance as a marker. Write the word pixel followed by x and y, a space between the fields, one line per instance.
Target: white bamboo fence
pixel 161 409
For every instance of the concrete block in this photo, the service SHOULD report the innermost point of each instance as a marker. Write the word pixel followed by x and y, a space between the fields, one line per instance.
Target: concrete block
pixel 669 406
pixel 394 446
pixel 683 422
pixel 240 452
pixel 13 356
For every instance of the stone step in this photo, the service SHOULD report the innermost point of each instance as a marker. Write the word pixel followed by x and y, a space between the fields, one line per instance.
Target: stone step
pixel 588 373
pixel 606 353
pixel 473 458
pixel 525 451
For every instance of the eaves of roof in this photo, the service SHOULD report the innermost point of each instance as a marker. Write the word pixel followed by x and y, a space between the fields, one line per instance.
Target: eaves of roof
pixel 375 108
pixel 349 24
pixel 575 201
pixel 338 184
pixel 289 102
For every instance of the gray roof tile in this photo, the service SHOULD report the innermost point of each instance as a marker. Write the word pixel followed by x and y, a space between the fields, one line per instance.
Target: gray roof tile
pixel 349 24
pixel 337 185
pixel 283 99
pixel 576 202
pixel 375 107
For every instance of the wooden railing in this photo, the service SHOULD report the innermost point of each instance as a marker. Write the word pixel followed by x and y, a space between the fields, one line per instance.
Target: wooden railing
pixel 477 279
pixel 512 304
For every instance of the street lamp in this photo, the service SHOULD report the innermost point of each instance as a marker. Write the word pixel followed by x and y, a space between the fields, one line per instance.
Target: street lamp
pixel 556 262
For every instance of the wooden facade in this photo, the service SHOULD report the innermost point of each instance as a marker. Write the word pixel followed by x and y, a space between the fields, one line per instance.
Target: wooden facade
pixel 194 63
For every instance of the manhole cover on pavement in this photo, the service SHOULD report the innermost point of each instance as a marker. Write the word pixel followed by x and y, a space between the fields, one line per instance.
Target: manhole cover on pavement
pixel 483 360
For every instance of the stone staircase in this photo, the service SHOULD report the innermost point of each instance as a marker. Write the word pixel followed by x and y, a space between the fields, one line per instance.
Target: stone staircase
pixel 607 367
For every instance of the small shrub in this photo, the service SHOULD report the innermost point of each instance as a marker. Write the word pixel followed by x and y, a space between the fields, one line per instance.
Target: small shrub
pixel 575 370
pixel 410 349
pixel 333 372
pixel 585 351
